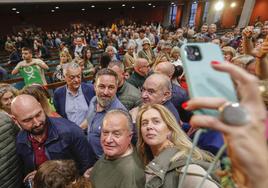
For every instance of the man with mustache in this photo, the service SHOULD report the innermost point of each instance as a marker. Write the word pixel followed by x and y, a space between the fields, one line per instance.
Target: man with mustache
pixel 106 84
pixel 43 138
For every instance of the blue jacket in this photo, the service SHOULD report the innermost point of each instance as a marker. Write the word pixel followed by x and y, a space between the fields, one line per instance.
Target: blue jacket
pixel 180 96
pixel 59 98
pixel 210 141
pixel 65 141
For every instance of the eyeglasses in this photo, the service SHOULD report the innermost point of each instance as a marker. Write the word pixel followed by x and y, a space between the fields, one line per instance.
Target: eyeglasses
pixel 149 91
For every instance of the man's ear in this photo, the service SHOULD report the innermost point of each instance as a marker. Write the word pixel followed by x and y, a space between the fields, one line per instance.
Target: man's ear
pixel 14 119
pixel 131 134
pixel 167 95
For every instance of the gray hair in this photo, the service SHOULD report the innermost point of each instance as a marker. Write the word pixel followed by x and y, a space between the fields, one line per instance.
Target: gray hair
pixel 69 66
pixel 118 64
pixel 124 113
pixel 131 44
pixel 111 47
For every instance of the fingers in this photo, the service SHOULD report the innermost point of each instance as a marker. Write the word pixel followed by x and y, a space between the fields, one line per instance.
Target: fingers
pixel 247 82
pixel 204 102
pixel 204 121
pixel 237 73
pixel 30 176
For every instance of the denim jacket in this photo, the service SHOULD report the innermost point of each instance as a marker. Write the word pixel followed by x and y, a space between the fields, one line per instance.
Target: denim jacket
pixel 65 141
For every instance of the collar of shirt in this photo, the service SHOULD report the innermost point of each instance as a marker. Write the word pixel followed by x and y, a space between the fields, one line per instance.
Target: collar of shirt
pixel 79 91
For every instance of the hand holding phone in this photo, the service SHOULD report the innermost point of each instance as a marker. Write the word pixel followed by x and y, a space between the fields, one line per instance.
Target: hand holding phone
pixel 202 79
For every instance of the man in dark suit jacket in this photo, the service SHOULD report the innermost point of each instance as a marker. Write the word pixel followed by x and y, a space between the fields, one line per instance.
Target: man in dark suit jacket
pixel 72 100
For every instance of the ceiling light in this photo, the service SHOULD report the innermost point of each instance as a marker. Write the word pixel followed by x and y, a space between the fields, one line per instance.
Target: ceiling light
pixel 149 4
pixel 123 5
pixel 57 7
pixel 109 8
pixel 17 12
pixel 172 3
pixel 83 9
pixel 154 6
pixel 219 6
pixel 52 10
pixel 233 4
pixel 92 6
pixel 133 7
pixel 13 9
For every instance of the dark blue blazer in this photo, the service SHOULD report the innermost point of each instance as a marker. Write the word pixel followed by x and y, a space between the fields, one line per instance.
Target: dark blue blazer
pixel 65 141
pixel 59 98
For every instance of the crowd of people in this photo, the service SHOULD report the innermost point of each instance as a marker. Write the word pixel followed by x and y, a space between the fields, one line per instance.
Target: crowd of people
pixel 133 125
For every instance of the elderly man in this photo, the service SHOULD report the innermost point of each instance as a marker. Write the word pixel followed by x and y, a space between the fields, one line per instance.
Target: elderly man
pixel 120 166
pixel 106 84
pixel 43 138
pixel 31 69
pixel 141 70
pixel 129 96
pixel 212 29
pixel 111 50
pixel 179 95
pixel 72 100
pixel 157 90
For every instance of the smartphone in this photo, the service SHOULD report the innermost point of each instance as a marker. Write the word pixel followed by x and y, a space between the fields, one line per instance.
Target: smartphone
pixel 202 79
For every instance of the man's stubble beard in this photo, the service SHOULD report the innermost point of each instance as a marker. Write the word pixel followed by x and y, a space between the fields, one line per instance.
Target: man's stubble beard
pixel 106 102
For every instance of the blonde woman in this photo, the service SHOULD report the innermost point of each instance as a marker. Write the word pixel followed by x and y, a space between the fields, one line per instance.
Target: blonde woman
pixel 164 147
pixel 65 57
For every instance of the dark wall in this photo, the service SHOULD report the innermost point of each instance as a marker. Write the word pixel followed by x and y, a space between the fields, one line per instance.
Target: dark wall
pixel 62 19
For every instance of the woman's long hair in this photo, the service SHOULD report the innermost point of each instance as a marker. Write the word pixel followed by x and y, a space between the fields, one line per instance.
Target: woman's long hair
pixel 180 140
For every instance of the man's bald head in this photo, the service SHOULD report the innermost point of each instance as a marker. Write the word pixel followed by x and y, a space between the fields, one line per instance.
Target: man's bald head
pixel 142 66
pixel 22 102
pixel 156 89
pixel 29 114
pixel 161 81
pixel 141 62
pixel 165 68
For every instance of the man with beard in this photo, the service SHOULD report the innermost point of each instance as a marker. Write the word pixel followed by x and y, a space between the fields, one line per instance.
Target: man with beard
pixel 106 84
pixel 43 138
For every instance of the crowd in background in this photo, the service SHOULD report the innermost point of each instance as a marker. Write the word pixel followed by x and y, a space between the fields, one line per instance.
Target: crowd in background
pixel 137 84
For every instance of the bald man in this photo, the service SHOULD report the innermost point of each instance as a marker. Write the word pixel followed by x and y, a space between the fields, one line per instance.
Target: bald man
pixel 157 90
pixel 141 71
pixel 43 138
pixel 179 95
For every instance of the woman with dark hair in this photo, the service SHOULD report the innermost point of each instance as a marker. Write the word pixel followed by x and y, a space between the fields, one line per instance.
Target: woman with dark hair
pixel 89 67
pixel 104 60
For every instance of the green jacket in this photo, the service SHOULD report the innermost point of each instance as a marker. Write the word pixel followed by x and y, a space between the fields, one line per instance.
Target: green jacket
pixel 10 167
pixel 136 80
pixel 129 96
pixel 162 173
